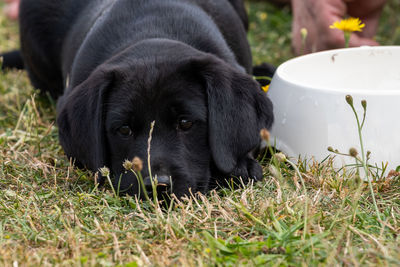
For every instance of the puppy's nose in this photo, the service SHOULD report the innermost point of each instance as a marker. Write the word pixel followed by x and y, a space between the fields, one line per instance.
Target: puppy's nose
pixel 162 184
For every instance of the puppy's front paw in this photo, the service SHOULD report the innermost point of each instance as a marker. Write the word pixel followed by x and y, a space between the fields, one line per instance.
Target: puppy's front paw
pixel 248 168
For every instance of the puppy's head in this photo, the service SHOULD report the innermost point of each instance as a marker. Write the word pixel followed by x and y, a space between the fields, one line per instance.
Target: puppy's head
pixel 207 118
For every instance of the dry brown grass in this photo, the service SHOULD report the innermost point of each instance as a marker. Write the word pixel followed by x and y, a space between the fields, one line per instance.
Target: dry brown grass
pixel 53 214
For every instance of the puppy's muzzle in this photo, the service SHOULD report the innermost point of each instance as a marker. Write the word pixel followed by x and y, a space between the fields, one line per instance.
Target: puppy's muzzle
pixel 162 184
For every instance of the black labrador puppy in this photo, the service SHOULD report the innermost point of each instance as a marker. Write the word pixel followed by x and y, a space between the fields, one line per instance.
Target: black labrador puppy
pixel 118 65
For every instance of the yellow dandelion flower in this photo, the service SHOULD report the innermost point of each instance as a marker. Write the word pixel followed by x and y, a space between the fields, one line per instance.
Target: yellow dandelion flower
pixel 263 16
pixel 265 88
pixel 348 25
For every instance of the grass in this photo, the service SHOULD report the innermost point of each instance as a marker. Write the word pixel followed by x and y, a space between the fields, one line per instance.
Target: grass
pixel 53 214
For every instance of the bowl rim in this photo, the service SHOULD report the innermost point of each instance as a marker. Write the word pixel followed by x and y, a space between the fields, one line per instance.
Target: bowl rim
pixel 340 90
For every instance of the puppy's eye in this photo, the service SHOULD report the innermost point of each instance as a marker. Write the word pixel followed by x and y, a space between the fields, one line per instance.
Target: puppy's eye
pixel 184 124
pixel 125 131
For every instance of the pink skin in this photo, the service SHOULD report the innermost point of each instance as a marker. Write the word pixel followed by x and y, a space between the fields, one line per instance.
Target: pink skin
pixel 11 9
pixel 317 15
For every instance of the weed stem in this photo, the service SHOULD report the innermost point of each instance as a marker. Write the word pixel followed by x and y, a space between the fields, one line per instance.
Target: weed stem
pixel 364 163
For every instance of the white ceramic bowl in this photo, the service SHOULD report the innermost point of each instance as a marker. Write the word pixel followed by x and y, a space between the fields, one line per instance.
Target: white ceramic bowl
pixel 311 113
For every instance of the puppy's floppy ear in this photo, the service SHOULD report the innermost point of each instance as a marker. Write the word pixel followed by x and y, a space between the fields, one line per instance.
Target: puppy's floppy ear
pixel 81 120
pixel 238 109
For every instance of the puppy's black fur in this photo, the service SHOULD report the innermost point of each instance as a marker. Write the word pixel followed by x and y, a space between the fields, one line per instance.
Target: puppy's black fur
pixel 118 65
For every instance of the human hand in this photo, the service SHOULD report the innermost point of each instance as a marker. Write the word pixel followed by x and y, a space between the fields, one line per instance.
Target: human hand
pixel 317 15
pixel 11 9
